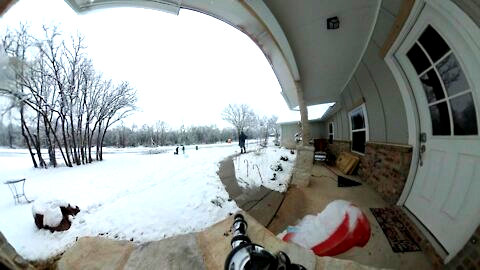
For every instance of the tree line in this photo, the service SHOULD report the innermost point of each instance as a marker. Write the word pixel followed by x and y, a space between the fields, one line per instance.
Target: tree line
pixel 62 101
pixel 160 134
pixel 240 116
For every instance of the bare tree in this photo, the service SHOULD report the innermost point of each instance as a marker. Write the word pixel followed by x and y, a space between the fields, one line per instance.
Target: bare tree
pixel 117 104
pixel 161 132
pixel 274 127
pixel 15 45
pixel 240 116
pixel 51 48
pixel 70 105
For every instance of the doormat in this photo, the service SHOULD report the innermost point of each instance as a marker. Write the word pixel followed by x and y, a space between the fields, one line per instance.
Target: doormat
pixel 345 182
pixel 396 232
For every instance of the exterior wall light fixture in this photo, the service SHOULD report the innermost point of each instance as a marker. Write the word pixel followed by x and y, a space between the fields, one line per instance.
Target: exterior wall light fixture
pixel 333 23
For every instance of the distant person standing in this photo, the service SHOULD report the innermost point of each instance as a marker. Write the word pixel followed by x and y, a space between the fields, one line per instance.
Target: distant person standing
pixel 183 149
pixel 241 141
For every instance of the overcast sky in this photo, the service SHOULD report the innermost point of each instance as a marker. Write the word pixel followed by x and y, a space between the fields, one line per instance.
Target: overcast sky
pixel 186 68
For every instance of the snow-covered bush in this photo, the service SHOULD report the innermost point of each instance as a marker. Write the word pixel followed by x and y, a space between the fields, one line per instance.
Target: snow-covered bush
pixel 264 168
pixel 259 151
pixel 54 215
pixel 50 210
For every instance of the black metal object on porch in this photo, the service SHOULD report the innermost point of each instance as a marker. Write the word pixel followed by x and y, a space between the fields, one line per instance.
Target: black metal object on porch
pixel 345 182
pixel 14 186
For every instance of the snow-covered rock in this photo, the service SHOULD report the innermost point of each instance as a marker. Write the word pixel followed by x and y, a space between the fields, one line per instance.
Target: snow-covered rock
pixel 54 215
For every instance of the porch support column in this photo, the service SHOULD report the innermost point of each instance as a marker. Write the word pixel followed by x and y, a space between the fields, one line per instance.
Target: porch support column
pixel 5 5
pixel 304 162
pixel 10 258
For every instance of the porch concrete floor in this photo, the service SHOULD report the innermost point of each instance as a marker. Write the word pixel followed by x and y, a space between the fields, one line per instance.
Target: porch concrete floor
pixel 322 190
pixel 205 250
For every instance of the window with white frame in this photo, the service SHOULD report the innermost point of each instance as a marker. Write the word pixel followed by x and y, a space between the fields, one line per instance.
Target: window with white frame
pixel 330 132
pixel 358 129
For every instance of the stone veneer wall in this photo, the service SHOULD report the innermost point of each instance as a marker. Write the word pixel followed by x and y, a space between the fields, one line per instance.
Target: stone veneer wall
pixel 303 166
pixel 469 256
pixel 384 166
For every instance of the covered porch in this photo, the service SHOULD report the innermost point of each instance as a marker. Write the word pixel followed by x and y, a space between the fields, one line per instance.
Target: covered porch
pixel 323 189
pixel 413 124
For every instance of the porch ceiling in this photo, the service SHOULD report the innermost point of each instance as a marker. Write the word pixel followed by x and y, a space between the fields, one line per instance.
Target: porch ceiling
pixel 293 36
pixel 326 58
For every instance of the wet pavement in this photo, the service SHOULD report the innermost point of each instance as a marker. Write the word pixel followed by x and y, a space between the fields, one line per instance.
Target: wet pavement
pixel 260 202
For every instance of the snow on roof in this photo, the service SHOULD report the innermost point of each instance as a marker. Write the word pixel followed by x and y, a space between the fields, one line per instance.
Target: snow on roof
pixel 315 113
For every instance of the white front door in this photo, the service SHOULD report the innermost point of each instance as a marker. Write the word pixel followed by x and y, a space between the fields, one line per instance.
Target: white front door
pixel 442 65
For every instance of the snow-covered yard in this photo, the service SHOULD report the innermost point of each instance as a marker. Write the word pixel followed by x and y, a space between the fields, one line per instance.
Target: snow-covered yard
pixel 263 167
pixel 130 195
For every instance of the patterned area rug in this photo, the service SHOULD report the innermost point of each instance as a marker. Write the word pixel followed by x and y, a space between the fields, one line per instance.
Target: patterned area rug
pixel 395 230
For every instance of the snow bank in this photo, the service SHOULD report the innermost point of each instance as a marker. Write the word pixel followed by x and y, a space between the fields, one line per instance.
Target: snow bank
pixel 257 168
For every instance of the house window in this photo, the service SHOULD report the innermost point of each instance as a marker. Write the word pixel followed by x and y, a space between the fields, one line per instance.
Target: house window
pixel 330 132
pixel 359 129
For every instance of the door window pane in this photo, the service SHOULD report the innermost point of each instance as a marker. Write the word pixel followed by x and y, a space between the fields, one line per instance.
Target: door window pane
pixel 433 43
pixel 358 121
pixel 432 86
pixel 358 141
pixel 440 119
pixel 464 115
pixel 441 82
pixel 452 75
pixel 418 59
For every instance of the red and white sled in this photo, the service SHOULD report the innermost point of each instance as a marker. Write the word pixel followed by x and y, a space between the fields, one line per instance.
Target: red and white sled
pixel 338 228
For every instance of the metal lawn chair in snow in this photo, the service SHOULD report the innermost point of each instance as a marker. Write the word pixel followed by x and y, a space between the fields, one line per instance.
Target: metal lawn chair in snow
pixel 14 186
